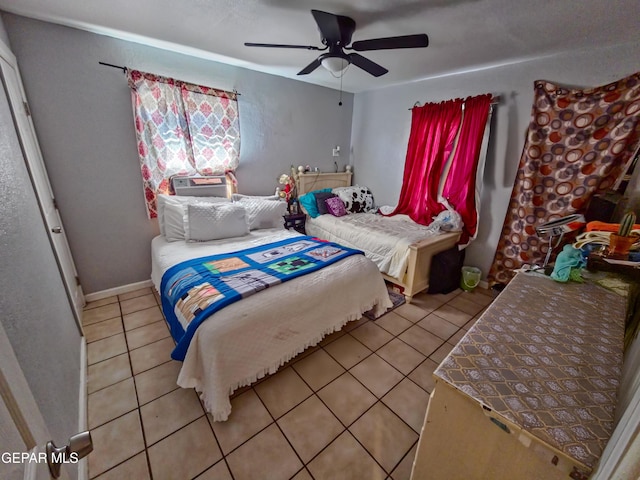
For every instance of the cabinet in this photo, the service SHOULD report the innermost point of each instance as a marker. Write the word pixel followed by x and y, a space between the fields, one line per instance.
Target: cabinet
pixel 530 391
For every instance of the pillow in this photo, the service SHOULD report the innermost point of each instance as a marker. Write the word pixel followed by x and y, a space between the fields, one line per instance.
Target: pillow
pixel 162 200
pixel 320 199
pixel 335 206
pixel 356 199
pixel 236 197
pixel 263 213
pixel 174 214
pixel 308 202
pixel 213 222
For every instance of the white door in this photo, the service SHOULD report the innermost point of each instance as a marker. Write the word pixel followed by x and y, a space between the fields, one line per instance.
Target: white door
pixel 22 427
pixel 31 150
pixel 42 352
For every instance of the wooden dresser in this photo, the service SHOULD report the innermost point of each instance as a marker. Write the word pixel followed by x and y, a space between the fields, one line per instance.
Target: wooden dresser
pixel 530 391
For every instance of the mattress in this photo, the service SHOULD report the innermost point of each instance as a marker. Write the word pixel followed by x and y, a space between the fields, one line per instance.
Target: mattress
pixel 165 254
pixel 384 240
pixel 255 336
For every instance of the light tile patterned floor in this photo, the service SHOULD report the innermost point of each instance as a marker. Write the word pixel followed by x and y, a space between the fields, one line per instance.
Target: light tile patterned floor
pixel 350 408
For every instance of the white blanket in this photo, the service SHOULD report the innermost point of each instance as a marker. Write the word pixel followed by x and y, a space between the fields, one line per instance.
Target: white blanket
pixel 385 240
pixel 255 336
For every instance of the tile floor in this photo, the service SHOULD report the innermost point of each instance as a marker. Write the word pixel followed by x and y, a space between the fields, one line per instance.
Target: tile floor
pixel 350 408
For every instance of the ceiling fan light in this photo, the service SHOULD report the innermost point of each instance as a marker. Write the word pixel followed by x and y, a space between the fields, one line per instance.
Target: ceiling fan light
pixel 335 64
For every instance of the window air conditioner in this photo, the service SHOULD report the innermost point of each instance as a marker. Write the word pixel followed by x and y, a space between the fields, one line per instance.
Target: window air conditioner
pixel 211 186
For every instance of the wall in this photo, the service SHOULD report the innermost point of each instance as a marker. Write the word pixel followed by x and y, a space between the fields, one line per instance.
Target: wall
pixel 82 114
pixel 36 314
pixel 4 36
pixel 381 124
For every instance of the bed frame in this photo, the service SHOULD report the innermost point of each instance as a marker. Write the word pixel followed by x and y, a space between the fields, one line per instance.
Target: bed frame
pixel 416 278
pixel 307 182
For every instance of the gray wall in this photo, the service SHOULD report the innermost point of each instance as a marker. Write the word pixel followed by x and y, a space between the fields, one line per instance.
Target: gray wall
pixel 83 117
pixel 381 124
pixel 4 36
pixel 36 314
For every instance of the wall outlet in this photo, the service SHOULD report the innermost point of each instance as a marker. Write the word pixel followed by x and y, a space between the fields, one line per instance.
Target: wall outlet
pixel 336 151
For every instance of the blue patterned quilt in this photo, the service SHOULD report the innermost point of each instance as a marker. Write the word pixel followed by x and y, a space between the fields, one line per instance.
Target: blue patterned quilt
pixel 195 289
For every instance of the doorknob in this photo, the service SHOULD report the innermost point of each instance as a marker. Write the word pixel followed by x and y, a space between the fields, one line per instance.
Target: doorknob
pixel 56 229
pixel 80 445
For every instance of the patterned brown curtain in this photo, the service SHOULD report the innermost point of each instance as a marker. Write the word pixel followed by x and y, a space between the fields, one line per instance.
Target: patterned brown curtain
pixel 578 143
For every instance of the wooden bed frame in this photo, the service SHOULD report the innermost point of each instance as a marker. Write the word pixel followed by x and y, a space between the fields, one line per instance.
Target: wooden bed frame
pixel 416 278
pixel 308 182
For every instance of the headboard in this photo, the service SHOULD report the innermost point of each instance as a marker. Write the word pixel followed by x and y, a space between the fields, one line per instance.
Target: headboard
pixel 307 182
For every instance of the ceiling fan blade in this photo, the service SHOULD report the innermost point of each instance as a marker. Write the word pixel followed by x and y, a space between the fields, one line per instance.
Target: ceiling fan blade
pixel 334 29
pixel 280 45
pixel 406 41
pixel 367 65
pixel 310 68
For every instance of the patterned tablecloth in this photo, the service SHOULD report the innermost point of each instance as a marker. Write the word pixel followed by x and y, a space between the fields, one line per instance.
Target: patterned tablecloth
pixel 548 357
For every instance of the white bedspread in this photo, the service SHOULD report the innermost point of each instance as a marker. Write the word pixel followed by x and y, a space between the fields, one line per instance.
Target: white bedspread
pixel 385 240
pixel 255 336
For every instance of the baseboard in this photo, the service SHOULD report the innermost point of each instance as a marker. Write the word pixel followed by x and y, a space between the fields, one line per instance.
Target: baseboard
pixel 92 297
pixel 484 284
pixel 83 466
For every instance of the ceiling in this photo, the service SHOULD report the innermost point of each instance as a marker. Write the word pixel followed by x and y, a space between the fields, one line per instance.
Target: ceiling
pixel 465 35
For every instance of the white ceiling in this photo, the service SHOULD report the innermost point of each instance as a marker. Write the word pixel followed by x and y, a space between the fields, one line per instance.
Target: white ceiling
pixel 464 34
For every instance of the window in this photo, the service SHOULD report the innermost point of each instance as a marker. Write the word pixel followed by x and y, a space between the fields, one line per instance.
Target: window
pixel 182 129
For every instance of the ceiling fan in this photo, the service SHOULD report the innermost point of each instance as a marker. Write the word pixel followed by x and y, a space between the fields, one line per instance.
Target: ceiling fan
pixel 336 32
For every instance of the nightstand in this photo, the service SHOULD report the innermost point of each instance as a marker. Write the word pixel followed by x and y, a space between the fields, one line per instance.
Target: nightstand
pixel 295 221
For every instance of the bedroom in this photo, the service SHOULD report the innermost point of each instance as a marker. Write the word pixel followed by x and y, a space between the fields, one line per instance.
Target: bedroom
pixel 97 183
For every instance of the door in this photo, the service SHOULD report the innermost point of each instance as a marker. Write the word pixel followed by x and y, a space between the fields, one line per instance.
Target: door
pixel 37 171
pixel 42 375
pixel 24 433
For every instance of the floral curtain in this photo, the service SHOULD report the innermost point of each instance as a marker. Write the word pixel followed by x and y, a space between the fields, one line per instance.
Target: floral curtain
pixel 578 143
pixel 182 129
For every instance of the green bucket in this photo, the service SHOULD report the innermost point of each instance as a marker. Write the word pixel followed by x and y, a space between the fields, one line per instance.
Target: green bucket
pixel 470 278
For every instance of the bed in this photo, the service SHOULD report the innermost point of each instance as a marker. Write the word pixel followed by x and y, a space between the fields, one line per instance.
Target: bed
pixel 401 249
pixel 253 337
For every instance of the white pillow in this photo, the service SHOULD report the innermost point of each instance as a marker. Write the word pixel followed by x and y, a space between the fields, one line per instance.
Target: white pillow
pixel 174 217
pixel 215 221
pixel 176 231
pixel 236 197
pixel 263 213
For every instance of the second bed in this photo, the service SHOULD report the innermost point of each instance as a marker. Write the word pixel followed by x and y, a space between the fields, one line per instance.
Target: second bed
pixel 402 249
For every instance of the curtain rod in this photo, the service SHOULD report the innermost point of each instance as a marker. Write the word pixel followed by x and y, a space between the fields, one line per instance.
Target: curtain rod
pixel 124 70
pixel 494 101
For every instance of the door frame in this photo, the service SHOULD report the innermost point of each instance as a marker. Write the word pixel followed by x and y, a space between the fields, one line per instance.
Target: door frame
pixel 15 392
pixel 25 131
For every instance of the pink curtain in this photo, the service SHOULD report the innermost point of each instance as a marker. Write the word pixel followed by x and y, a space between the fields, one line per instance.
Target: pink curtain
pixel 460 184
pixel 578 144
pixel 212 117
pixel 181 129
pixel 433 132
pixel 442 161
